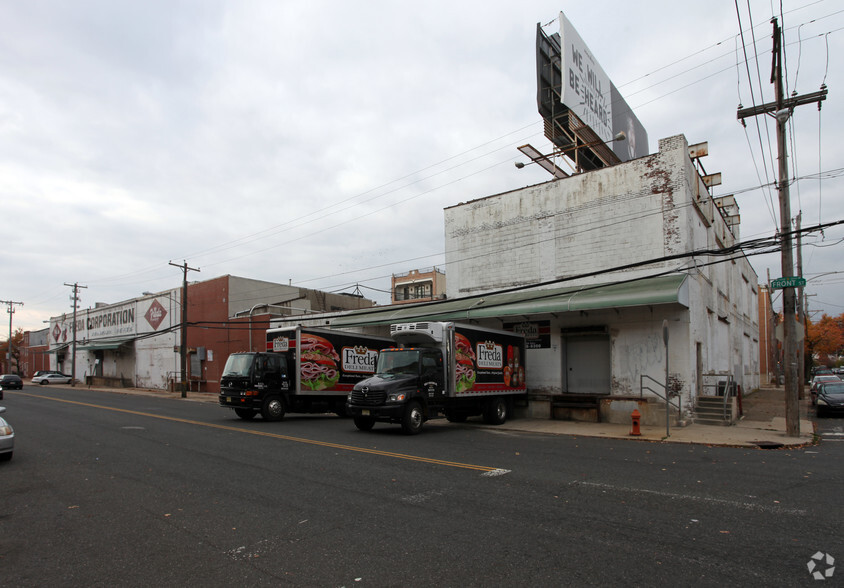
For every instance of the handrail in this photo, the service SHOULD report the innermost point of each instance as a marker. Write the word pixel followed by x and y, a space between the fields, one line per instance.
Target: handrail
pixel 729 384
pixel 661 393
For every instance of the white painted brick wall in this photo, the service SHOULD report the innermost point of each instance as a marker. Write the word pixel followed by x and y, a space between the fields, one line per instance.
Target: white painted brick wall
pixel 609 218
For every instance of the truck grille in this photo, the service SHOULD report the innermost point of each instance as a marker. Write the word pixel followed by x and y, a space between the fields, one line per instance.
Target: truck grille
pixel 367 397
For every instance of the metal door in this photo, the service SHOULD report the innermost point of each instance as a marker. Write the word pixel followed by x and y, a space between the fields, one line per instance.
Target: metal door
pixel 586 361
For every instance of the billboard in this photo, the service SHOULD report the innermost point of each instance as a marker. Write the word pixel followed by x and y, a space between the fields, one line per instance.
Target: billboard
pixel 623 119
pixel 586 87
pixel 574 91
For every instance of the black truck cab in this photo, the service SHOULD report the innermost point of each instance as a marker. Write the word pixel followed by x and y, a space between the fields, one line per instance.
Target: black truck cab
pixel 408 388
pixel 255 382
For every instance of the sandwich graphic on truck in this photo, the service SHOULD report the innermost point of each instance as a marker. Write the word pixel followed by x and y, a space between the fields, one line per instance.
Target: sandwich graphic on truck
pixel 320 362
pixel 464 370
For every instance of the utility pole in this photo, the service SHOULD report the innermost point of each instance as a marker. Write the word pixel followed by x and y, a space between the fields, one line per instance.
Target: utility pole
pixel 184 337
pixel 75 300
pixel 782 109
pixel 801 348
pixel 11 311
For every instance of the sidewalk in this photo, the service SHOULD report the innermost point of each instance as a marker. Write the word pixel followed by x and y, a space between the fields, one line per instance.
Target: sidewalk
pixel 763 423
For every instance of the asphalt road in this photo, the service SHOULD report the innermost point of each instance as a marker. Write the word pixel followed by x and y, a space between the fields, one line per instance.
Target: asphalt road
pixel 116 490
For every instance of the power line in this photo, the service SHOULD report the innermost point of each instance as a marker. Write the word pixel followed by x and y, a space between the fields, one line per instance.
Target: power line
pixel 388 184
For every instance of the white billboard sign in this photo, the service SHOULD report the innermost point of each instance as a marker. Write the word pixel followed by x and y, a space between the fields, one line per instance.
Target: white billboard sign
pixel 586 88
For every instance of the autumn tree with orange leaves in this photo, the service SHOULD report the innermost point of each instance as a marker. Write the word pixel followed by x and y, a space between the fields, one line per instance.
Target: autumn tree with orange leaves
pixel 825 340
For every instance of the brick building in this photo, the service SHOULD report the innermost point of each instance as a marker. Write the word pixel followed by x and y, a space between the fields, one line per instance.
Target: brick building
pixel 137 342
pixel 418 286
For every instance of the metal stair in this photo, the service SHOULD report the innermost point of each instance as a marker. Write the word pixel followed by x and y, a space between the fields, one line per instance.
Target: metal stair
pixel 710 410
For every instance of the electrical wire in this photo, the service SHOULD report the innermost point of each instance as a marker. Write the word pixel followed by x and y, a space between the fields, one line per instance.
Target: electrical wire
pixel 483 250
pixel 753 101
pixel 409 175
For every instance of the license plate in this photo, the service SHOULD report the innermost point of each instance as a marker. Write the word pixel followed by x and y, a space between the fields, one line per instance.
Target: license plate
pixel 364 412
pixel 229 399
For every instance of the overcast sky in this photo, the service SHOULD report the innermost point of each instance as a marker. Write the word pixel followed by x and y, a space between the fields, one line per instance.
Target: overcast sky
pixel 317 143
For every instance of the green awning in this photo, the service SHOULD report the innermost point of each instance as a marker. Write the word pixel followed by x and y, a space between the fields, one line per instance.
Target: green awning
pixel 671 289
pixel 104 345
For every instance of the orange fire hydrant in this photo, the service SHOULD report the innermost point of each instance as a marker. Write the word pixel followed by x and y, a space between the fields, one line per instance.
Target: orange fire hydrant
pixel 636 417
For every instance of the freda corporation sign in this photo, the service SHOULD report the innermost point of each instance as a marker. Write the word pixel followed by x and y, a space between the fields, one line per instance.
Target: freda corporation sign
pixel 112 321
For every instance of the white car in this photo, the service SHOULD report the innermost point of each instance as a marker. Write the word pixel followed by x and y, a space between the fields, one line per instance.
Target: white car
pixel 52 378
pixel 7 438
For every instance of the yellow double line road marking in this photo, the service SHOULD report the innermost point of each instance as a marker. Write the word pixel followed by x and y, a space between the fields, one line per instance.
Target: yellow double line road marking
pixel 488 471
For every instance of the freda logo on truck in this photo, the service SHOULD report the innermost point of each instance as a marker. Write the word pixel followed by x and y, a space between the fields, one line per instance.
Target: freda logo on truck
pixel 359 359
pixel 281 344
pixel 490 355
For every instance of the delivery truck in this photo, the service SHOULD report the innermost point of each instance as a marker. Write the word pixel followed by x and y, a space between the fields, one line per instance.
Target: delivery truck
pixel 304 370
pixel 442 369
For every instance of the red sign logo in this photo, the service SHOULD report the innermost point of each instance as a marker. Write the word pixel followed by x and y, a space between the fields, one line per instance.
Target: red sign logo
pixel 155 315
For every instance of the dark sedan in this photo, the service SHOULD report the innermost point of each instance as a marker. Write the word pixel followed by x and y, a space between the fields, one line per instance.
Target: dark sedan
pixel 10 382
pixel 830 398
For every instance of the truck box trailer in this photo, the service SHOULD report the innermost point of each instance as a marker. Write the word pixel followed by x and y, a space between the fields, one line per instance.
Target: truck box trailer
pixel 304 370
pixel 442 369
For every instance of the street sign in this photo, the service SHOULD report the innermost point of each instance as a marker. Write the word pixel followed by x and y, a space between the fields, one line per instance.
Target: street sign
pixel 792 282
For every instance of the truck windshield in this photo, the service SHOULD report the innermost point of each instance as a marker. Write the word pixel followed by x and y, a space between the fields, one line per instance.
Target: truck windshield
pixel 398 362
pixel 238 365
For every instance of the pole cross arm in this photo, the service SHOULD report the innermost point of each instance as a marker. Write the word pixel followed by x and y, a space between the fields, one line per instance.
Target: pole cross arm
pixel 787 103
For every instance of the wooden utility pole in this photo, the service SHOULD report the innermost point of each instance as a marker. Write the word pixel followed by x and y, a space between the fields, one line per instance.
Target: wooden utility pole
pixel 184 336
pixel 11 311
pixel 75 300
pixel 781 109
pixel 801 347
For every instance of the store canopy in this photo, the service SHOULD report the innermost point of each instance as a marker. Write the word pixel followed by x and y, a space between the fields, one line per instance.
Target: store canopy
pixel 671 289
pixel 104 345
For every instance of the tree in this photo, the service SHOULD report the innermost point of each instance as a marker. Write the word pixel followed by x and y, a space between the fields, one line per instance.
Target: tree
pixel 17 343
pixel 825 339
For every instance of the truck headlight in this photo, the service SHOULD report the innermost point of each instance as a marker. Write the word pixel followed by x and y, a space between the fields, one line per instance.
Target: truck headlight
pixel 398 397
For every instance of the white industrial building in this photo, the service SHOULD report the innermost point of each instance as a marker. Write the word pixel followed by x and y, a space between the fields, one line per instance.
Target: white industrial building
pixel 597 269
pixel 618 244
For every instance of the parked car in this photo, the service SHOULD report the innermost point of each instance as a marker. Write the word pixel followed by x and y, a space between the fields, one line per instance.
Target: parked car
pixel 830 398
pixel 52 378
pixel 7 438
pixel 44 373
pixel 817 381
pixel 10 382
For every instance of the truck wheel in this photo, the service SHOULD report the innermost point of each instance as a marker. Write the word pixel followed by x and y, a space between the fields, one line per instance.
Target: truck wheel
pixel 413 418
pixel 273 409
pixel 247 414
pixel 495 411
pixel 364 423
